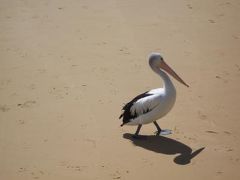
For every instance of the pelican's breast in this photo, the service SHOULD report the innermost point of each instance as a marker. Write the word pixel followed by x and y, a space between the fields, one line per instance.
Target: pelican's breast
pixel 166 103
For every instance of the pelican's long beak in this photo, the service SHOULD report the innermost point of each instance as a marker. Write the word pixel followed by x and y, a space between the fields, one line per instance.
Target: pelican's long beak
pixel 169 70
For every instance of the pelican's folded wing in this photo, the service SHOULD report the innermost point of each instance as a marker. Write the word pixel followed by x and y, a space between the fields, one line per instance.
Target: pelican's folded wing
pixel 141 104
pixel 145 105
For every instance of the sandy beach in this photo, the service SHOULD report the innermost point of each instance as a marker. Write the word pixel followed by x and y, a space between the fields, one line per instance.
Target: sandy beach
pixel 68 66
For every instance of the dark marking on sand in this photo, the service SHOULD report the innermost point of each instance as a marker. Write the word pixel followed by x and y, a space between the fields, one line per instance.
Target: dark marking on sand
pixel 237 66
pixel 213 132
pixel 202 116
pixel 211 21
pixel 21 122
pixel 119 177
pixel 226 132
pixel 4 108
pixel 189 6
pixel 27 104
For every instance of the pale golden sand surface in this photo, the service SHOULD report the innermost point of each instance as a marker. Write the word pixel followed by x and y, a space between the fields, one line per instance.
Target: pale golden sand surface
pixel 68 66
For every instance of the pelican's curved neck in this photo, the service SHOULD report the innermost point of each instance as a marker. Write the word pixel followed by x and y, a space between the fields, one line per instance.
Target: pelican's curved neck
pixel 167 83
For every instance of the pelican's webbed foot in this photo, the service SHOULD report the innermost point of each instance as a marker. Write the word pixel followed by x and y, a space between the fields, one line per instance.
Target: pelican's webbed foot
pixel 161 131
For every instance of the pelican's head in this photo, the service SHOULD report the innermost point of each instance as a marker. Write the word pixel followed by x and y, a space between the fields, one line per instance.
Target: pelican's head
pixel 155 59
pixel 156 62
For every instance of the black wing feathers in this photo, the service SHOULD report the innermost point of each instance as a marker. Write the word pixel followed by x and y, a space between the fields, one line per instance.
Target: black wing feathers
pixel 127 115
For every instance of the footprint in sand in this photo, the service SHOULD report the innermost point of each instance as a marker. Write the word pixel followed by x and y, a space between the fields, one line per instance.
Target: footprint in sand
pixel 4 108
pixel 27 104
pixel 226 132
pixel 59 93
pixel 76 168
pixel 219 172
pixel 235 37
pixel 189 6
pixel 202 116
pixel 93 142
pixel 21 122
pixel 224 80
pixel 225 4
pixel 22 170
pixel 116 175
pixel 212 132
pixel 124 50
pixel 5 83
pixel 211 21
pixel 221 15
pixel 36 174
pixel 32 86
pixel 237 66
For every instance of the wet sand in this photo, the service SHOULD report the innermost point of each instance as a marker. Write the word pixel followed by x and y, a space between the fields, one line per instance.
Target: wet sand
pixel 67 68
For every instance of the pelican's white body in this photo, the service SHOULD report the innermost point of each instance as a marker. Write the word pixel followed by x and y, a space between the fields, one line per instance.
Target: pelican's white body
pixel 160 102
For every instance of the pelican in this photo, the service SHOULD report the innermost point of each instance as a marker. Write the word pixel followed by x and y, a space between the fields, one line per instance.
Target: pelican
pixel 154 104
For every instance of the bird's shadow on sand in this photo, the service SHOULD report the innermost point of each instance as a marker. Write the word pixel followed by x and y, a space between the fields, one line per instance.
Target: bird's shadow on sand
pixel 164 145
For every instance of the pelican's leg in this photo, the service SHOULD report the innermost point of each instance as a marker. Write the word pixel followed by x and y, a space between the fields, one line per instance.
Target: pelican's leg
pixel 158 128
pixel 161 131
pixel 137 131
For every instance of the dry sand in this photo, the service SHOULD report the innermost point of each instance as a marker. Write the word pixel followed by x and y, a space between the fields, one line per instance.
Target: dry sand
pixel 67 67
